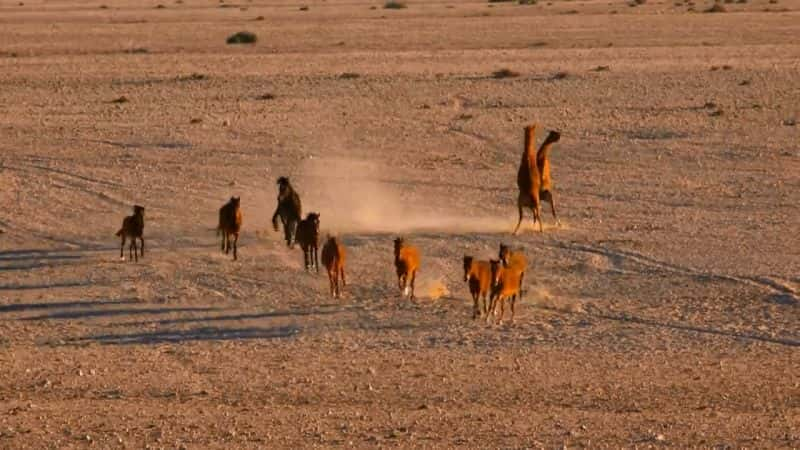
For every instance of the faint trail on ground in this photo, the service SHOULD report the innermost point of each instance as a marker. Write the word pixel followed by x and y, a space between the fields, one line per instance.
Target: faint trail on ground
pixel 775 286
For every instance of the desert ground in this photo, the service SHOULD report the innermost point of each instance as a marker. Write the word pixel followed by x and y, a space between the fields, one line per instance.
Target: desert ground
pixel 664 312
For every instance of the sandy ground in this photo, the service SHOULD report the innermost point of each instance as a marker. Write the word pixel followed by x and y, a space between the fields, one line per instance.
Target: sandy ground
pixel 665 312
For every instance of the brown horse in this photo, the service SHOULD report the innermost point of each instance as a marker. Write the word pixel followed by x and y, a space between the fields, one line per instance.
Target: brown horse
pixel 505 286
pixel 333 256
pixel 406 262
pixel 308 237
pixel 543 163
pixel 230 223
pixel 533 177
pixel 514 259
pixel 529 179
pixel 132 227
pixel 289 210
pixel 478 274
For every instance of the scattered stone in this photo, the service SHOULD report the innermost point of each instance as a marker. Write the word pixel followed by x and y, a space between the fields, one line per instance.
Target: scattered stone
pixel 716 8
pixel 242 37
pixel 504 73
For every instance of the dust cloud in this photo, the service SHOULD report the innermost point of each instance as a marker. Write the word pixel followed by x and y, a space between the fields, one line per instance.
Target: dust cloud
pixel 352 198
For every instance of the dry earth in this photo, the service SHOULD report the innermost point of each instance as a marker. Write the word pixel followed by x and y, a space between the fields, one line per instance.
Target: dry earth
pixel 664 313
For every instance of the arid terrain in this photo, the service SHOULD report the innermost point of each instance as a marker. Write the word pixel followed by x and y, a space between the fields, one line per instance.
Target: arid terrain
pixel 664 312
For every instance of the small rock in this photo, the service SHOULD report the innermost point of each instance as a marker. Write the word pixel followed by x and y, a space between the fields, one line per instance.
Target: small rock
pixel 226 123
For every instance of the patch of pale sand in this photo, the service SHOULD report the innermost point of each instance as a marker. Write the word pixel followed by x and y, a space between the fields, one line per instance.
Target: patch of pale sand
pixel 543 298
pixel 434 288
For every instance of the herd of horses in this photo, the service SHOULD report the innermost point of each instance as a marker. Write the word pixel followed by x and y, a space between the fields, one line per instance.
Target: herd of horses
pixel 491 282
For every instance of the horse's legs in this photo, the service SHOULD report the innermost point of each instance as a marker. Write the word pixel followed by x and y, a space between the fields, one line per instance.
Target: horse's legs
pixel 141 238
pixel 548 196
pixel 122 248
pixel 344 282
pixel 502 309
pixel 235 241
pixel 336 277
pixel 519 205
pixel 316 257
pixel 331 282
pixel 413 279
pixel 492 306
pixel 287 231
pixel 537 216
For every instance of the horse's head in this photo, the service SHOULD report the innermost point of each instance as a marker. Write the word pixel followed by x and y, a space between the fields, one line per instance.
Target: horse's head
pixel 283 184
pixel 313 218
pixel 495 265
pixel 467 266
pixel 399 242
pixel 504 254
pixel 552 137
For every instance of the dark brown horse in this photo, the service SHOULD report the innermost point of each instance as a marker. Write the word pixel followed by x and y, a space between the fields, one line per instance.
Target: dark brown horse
pixel 230 223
